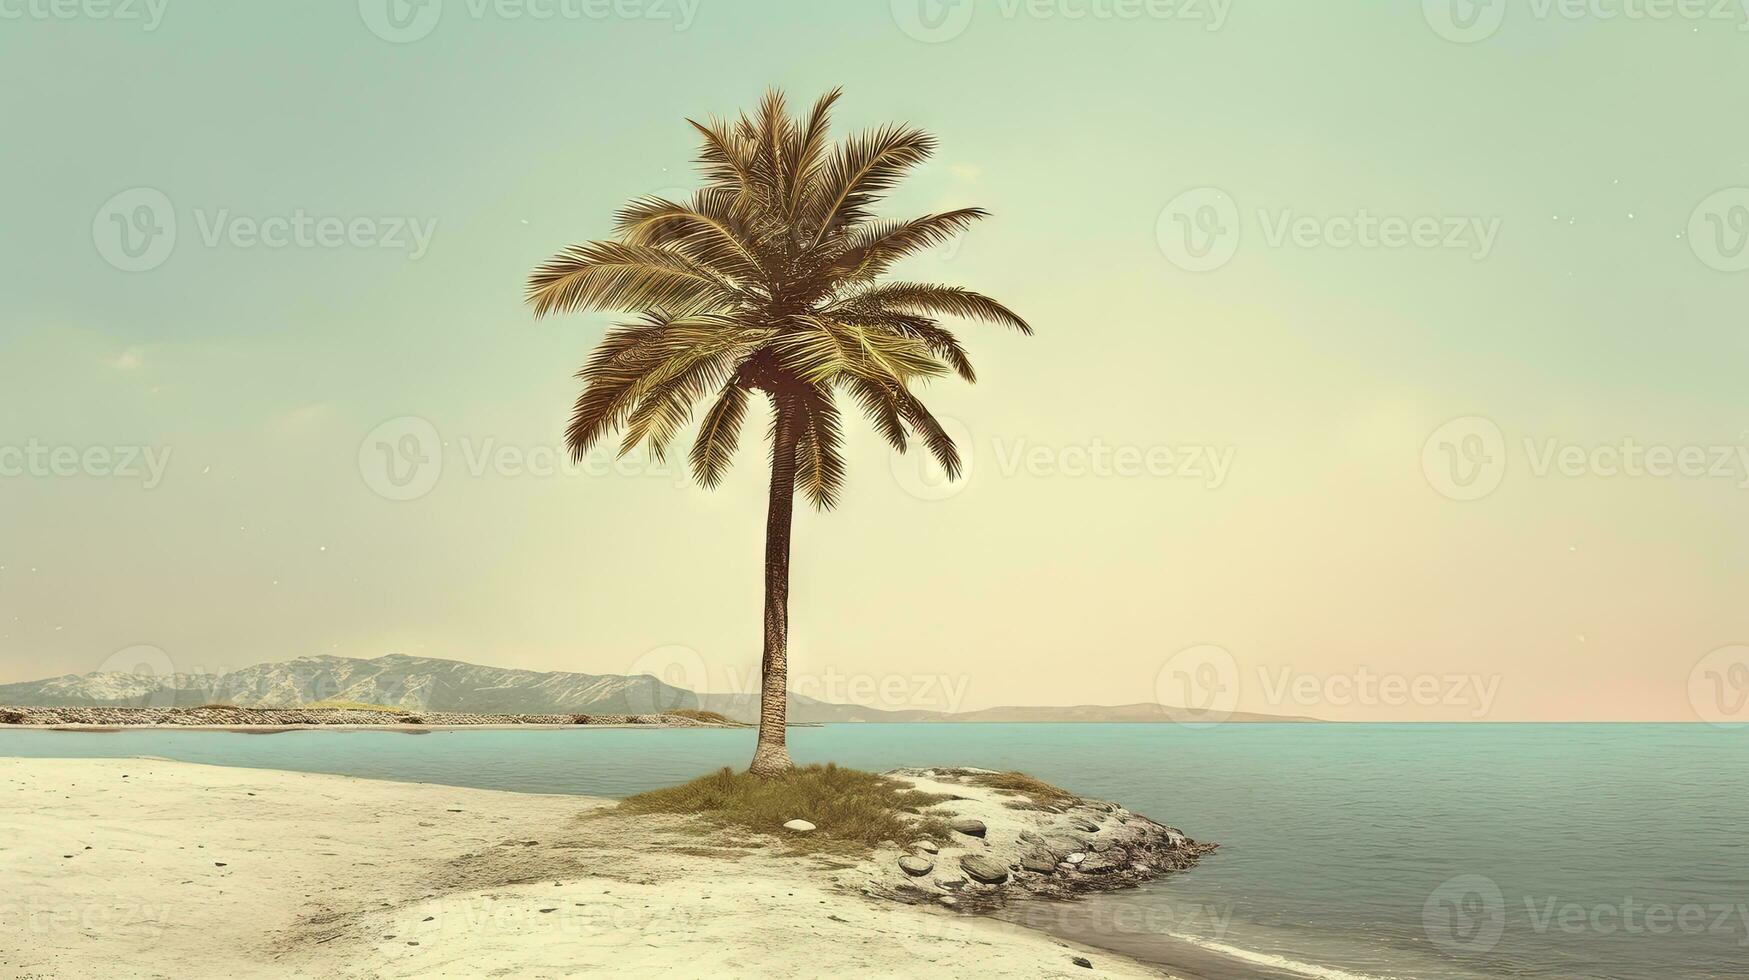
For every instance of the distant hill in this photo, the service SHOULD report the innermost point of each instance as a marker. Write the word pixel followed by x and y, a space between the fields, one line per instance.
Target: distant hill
pixel 401 681
pixel 430 684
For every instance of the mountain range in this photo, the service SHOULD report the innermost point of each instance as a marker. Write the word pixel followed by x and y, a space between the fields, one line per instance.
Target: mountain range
pixel 430 684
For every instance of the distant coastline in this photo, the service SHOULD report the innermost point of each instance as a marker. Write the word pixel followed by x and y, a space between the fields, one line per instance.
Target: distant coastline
pixel 285 719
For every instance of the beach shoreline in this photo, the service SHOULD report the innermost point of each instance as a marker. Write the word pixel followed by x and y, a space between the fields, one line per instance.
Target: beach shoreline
pixel 152 868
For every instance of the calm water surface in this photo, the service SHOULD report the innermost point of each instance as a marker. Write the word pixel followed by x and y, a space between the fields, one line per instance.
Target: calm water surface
pixel 1375 851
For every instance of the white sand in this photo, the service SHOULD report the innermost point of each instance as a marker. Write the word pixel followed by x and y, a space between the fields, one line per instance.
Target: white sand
pixel 111 868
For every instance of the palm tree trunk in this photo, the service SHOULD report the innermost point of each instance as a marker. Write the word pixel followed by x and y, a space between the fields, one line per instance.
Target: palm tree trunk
pixel 770 756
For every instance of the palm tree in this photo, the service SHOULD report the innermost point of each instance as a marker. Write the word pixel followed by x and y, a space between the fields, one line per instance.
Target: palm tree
pixel 769 279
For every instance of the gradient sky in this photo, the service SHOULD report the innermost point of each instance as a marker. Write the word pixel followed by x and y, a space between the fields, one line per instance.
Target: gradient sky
pixel 1326 552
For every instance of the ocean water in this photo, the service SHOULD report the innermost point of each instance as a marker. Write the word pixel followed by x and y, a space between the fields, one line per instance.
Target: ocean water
pixel 1348 851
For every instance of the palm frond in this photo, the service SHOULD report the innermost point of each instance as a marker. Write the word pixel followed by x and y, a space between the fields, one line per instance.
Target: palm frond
pixel 871 249
pixel 714 447
pixel 863 168
pixel 819 451
pixel 711 241
pixel 808 150
pixel 618 276
pixel 932 298
pixel 929 429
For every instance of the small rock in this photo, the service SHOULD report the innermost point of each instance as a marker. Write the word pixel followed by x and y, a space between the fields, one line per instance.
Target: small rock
pixel 916 867
pixel 550 910
pixel 1085 826
pixel 1076 858
pixel 1103 863
pixel 968 826
pixel 1040 862
pixel 799 826
pixel 984 870
pixel 949 900
pixel 1081 961
pixel 927 846
pixel 218 864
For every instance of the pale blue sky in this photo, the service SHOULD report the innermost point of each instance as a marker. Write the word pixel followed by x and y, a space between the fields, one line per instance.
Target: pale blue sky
pixel 1585 145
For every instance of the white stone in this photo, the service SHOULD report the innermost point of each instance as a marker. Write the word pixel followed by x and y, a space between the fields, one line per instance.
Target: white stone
pixel 1077 858
pixel 801 826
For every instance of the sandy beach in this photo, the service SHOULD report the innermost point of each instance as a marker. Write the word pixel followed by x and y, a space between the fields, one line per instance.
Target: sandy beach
pixel 156 869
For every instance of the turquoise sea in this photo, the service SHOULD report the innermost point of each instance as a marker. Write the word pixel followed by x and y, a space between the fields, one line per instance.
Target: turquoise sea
pixel 1363 851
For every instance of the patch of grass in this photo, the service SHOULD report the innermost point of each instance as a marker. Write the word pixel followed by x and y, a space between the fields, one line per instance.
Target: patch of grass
pixel 699 714
pixel 851 810
pixel 1019 782
pixel 335 704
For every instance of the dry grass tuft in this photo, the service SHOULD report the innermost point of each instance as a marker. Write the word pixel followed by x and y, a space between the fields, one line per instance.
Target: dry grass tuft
pixel 708 717
pixel 1040 791
pixel 335 704
pixel 852 810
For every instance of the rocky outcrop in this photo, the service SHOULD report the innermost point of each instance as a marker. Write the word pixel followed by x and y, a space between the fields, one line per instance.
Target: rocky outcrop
pixel 225 717
pixel 1008 843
